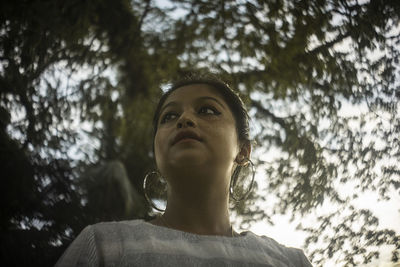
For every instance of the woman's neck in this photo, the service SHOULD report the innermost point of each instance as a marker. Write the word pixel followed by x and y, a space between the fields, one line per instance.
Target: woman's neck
pixel 198 202
pixel 200 216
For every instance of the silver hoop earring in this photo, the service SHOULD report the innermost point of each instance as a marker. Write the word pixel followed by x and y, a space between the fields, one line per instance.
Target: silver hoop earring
pixel 151 173
pixel 234 180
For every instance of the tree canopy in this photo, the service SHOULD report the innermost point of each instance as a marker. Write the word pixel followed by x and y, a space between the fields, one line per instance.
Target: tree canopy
pixel 80 79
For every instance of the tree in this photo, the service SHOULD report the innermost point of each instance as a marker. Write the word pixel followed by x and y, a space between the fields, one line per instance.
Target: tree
pixel 300 62
pixel 297 63
pixel 55 56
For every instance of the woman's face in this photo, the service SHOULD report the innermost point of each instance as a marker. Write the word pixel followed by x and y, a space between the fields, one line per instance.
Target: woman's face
pixel 210 141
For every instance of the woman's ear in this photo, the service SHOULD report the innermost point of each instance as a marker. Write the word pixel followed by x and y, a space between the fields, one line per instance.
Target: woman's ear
pixel 244 153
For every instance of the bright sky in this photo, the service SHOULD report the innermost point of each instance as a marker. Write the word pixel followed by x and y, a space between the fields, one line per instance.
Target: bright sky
pixel 285 231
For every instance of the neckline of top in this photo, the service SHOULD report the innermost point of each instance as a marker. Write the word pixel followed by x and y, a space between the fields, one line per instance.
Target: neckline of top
pixel 159 227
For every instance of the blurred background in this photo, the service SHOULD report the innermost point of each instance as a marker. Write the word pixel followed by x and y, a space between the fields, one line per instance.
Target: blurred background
pixel 79 81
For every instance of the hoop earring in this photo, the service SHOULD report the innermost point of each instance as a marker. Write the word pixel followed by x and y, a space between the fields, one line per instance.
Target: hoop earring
pixel 234 180
pixel 145 190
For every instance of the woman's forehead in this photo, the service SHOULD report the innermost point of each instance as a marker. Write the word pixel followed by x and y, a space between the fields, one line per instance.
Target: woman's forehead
pixel 194 91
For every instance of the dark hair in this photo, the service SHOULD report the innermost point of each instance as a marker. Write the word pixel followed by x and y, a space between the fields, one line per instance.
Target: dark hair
pixel 231 98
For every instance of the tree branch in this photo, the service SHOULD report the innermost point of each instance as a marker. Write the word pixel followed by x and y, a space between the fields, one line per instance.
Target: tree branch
pixel 328 45
pixel 145 12
pixel 268 113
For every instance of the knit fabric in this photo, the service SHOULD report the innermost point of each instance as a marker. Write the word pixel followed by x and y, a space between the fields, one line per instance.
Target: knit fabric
pixel 138 243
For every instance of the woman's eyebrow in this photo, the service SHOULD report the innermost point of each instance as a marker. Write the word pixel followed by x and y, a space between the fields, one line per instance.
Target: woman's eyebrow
pixel 211 98
pixel 174 103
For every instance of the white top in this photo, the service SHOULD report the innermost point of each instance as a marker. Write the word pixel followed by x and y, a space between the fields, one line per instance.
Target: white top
pixel 139 243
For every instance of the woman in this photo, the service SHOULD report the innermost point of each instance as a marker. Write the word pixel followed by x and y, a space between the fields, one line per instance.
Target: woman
pixel 201 141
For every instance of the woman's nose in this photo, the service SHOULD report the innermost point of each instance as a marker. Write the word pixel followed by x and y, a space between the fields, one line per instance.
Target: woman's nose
pixel 185 121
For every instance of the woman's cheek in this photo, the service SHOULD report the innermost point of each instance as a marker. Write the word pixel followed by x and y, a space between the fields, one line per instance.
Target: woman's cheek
pixel 159 150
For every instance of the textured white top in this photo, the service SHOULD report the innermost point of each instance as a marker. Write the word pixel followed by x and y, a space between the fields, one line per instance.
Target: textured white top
pixel 138 243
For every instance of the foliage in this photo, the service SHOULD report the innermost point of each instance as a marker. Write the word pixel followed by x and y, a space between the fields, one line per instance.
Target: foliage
pixel 299 65
pixel 302 63
pixel 55 56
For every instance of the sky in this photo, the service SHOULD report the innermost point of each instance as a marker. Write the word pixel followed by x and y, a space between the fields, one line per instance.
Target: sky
pixel 284 231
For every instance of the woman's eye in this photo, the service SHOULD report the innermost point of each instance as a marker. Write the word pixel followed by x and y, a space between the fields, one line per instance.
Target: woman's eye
pixel 209 110
pixel 167 117
pixel 203 110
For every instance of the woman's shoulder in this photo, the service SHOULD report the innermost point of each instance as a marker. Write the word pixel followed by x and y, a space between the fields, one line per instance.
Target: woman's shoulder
pixel 118 229
pixel 271 246
pixel 116 224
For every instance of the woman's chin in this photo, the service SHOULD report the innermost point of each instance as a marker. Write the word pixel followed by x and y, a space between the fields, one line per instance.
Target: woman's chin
pixel 186 159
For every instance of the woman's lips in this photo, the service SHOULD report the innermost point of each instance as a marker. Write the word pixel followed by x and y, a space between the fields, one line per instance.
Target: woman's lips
pixel 185 140
pixel 186 134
